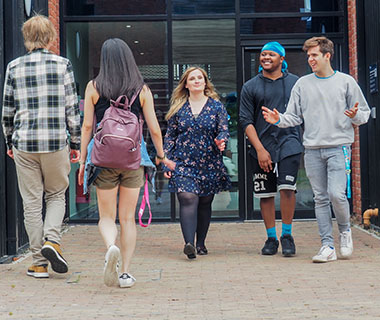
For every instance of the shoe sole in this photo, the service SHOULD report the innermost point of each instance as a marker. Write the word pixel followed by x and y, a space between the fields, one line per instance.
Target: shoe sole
pixel 323 261
pixel 110 274
pixel 268 253
pixel 190 252
pixel 38 275
pixel 288 254
pixel 58 264
pixel 127 285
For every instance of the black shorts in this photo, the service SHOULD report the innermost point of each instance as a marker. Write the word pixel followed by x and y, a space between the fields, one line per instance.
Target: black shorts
pixel 282 177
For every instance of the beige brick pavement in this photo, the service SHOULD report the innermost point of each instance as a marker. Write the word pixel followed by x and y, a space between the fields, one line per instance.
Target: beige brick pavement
pixel 233 282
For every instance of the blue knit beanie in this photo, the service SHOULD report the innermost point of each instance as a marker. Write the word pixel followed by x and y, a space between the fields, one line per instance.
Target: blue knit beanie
pixel 278 48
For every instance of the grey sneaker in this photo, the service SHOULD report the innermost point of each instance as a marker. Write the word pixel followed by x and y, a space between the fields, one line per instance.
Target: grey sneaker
pixel 110 266
pixel 126 280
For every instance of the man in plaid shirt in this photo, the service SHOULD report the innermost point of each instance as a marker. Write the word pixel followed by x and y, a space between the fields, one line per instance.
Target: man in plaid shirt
pixel 40 114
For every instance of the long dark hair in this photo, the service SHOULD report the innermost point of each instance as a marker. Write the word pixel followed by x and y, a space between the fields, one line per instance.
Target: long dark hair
pixel 118 72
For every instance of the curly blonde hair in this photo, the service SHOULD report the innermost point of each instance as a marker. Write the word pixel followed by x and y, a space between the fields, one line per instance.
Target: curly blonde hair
pixel 181 93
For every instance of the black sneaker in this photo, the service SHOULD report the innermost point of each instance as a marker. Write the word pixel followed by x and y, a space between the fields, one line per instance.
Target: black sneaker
pixel 190 251
pixel 288 246
pixel 270 247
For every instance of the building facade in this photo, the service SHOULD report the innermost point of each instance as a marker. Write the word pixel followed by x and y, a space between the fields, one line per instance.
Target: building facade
pixel 222 36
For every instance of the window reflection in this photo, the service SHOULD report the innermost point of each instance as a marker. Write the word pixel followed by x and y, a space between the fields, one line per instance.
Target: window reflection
pixel 203 7
pixel 291 25
pixel 259 6
pixel 114 7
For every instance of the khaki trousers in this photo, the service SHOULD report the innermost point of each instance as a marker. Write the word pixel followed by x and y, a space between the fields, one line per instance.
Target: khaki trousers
pixel 39 173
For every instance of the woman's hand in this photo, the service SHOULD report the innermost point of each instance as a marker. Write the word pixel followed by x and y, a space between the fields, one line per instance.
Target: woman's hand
pixel 81 174
pixel 169 163
pixel 167 174
pixel 221 144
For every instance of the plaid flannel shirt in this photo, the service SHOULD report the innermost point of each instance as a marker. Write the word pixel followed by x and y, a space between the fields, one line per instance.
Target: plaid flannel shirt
pixel 40 104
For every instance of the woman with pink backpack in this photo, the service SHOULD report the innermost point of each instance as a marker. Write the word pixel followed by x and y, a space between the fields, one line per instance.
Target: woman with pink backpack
pixel 118 188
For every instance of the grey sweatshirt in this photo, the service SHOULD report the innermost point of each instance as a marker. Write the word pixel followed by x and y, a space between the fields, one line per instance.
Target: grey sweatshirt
pixel 320 103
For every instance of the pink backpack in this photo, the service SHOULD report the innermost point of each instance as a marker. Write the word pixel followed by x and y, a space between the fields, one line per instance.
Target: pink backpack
pixel 117 138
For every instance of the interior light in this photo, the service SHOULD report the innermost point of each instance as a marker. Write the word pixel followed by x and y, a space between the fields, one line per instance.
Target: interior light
pixel 136 41
pixel 128 26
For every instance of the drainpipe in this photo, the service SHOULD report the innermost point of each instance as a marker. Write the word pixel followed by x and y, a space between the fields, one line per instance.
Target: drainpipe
pixel 367 216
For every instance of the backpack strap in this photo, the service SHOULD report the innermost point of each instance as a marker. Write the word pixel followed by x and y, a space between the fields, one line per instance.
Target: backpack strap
pixel 127 103
pixel 145 199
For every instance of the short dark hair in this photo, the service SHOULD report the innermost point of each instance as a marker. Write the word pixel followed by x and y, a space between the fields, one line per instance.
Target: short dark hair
pixel 325 45
pixel 118 74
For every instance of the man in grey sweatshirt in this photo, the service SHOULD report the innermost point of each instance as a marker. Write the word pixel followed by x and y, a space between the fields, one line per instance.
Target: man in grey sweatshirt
pixel 330 104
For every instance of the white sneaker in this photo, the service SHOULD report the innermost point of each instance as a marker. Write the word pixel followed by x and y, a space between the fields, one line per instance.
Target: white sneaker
pixel 126 280
pixel 346 245
pixel 326 254
pixel 110 266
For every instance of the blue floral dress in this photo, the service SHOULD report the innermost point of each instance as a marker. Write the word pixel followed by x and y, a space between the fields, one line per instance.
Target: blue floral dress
pixel 189 141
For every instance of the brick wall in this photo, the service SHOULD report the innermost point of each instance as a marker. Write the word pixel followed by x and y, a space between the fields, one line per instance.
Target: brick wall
pixel 353 64
pixel 54 17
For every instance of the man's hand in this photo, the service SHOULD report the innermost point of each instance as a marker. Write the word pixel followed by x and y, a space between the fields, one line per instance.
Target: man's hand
pixel 74 155
pixel 353 111
pixel 270 116
pixel 10 153
pixel 220 144
pixel 265 161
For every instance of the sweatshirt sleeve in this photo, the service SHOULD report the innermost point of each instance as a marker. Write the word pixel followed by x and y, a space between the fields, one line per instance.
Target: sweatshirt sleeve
pixel 9 109
pixel 293 114
pixel 355 94
pixel 246 112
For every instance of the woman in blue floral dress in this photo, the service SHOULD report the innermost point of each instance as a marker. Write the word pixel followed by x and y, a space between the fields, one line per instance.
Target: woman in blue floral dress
pixel 195 139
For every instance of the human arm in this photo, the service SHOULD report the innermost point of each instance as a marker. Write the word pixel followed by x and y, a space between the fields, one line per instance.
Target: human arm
pixel 358 110
pixel 9 111
pixel 293 115
pixel 90 99
pixel 72 112
pixel 147 104
pixel 247 120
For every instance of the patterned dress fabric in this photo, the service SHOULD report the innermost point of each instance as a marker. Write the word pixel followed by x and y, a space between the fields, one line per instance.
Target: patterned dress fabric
pixel 189 141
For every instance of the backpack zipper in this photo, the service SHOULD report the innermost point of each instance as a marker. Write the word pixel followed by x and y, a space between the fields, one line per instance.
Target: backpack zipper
pixel 120 137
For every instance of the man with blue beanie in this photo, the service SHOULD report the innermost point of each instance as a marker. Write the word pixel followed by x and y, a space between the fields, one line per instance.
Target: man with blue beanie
pixel 275 152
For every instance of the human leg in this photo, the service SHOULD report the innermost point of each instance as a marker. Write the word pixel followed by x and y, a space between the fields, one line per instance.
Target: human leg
pixel 29 177
pixel 55 168
pixel 203 222
pixel 188 206
pixel 337 192
pixel 268 213
pixel 107 199
pixel 128 198
pixel 316 171
pixel 287 178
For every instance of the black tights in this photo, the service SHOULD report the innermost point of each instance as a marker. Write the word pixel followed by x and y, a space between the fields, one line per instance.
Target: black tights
pixel 195 216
